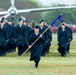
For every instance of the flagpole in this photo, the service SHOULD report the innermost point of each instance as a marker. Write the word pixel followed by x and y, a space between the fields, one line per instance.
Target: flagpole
pixel 61 13
pixel 37 38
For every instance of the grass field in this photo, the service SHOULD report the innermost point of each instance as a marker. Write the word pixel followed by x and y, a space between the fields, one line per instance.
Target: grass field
pixel 51 64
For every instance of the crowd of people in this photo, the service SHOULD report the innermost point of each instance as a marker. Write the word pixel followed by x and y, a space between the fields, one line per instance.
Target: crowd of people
pixel 23 35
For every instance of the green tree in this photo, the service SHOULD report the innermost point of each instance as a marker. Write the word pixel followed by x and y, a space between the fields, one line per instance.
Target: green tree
pixel 69 15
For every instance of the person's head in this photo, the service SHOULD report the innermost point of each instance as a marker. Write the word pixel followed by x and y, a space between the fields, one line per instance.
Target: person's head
pixel 20 21
pixel 42 23
pixel 10 22
pixel 33 24
pixel 25 23
pixel 4 19
pixel 36 29
pixel 63 26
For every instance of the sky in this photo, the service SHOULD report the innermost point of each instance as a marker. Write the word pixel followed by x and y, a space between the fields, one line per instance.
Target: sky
pixel 49 2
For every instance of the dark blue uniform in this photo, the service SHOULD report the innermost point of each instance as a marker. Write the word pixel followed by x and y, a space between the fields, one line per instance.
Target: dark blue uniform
pixel 12 41
pixel 48 39
pixel 59 45
pixel 36 48
pixel 3 40
pixel 41 30
pixel 63 39
pixel 28 31
pixel 70 37
pixel 21 39
pixel 7 27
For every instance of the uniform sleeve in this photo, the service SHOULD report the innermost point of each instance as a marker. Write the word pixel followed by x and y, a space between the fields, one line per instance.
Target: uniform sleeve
pixel 43 38
pixel 71 34
pixel 8 32
pixel 59 36
pixel 30 40
pixel 14 32
pixel 25 35
pixel 50 35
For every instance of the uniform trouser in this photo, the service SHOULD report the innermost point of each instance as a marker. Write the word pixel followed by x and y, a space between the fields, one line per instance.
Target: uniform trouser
pixel 59 48
pixel 47 46
pixel 68 47
pixel 20 50
pixel 25 48
pixel 6 46
pixel 44 48
pixel 35 53
pixel 11 47
pixel 2 50
pixel 63 50
pixel 36 57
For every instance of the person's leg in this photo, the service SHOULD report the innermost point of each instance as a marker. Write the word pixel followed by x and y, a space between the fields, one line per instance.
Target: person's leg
pixel 59 48
pixel 19 50
pixel 44 49
pixel 48 47
pixel 68 48
pixel 36 63
pixel 1 53
pixel 37 59
pixel 62 51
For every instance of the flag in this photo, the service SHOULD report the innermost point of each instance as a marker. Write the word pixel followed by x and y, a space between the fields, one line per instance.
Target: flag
pixel 59 18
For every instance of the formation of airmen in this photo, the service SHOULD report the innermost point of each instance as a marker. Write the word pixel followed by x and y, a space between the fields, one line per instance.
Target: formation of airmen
pixel 23 35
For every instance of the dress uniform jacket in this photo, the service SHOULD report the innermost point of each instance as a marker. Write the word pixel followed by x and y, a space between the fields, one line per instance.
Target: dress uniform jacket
pixel 36 48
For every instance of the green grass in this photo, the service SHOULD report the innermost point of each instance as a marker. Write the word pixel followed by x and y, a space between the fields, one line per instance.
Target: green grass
pixel 48 66
pixel 51 64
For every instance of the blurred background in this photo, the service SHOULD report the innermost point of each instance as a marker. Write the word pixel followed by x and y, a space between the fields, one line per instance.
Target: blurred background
pixel 69 15
pixel 49 16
